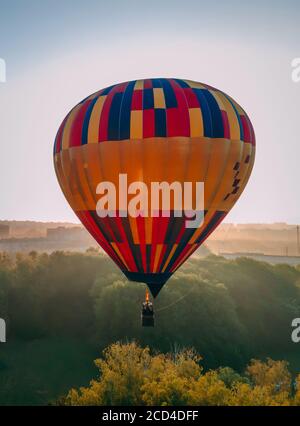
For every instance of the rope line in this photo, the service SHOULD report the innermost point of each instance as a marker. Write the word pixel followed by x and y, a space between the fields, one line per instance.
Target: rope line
pixel 176 301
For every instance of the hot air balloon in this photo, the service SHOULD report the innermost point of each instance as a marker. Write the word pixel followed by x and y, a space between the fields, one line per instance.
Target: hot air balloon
pixel 154 130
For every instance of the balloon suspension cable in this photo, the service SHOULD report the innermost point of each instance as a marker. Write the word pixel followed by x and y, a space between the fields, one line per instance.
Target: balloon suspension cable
pixel 176 301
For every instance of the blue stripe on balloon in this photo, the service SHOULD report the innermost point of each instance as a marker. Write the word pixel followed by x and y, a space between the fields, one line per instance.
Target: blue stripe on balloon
pixel 85 126
pixel 148 99
pixel 216 116
pixel 160 122
pixel 182 83
pixel 114 117
pixel 125 112
pixel 170 98
pixel 156 82
pixel 238 117
pixel 206 115
pixel 107 90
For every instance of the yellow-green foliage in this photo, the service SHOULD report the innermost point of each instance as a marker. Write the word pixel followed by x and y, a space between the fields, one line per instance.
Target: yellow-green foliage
pixel 131 375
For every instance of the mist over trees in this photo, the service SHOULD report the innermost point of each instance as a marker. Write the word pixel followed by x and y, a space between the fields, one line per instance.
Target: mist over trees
pixel 228 311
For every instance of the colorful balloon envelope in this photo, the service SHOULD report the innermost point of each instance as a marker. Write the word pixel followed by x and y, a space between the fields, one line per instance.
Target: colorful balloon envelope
pixel 154 130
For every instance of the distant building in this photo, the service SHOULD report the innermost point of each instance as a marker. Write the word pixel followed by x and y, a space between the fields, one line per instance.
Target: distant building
pixel 67 234
pixel 273 259
pixel 4 231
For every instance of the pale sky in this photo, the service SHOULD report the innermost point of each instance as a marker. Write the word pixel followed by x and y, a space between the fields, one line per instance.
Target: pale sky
pixel 58 52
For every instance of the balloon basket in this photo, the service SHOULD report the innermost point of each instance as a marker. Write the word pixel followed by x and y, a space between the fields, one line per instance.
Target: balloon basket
pixel 147 312
pixel 147 321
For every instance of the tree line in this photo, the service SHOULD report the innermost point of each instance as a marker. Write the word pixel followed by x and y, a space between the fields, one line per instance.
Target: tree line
pixel 229 311
pixel 132 375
